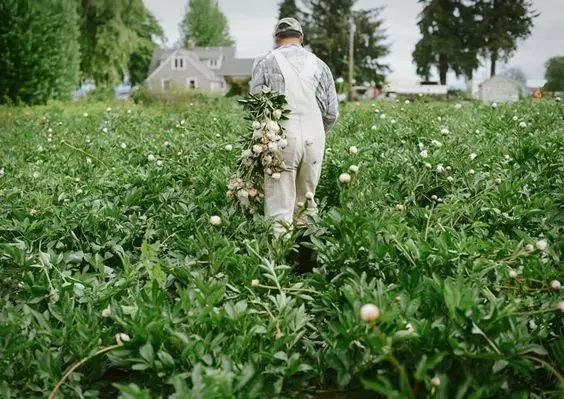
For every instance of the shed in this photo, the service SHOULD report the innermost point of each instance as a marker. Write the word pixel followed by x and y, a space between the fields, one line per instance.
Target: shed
pixel 499 89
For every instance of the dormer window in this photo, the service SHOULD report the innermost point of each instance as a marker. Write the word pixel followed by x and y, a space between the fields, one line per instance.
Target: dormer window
pixel 214 63
pixel 178 63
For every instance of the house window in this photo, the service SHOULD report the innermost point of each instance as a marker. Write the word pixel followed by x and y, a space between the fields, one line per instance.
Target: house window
pixel 192 83
pixel 178 63
pixel 214 63
pixel 166 84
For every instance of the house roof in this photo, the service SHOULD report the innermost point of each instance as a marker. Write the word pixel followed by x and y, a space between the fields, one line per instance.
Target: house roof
pixel 501 77
pixel 230 66
pixel 236 67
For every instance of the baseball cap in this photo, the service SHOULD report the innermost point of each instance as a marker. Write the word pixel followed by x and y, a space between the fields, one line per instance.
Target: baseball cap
pixel 288 25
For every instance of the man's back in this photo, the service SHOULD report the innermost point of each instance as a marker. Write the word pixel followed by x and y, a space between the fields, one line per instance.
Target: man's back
pixel 267 72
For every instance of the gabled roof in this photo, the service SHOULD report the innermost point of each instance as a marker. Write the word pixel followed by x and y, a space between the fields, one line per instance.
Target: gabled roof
pixel 236 67
pixel 501 77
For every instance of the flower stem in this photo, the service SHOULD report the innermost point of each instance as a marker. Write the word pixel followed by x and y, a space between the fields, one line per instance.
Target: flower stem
pixel 77 365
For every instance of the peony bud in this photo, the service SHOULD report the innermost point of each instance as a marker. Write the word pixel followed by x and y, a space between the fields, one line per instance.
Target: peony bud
pixel 277 114
pixel 255 283
pixel 369 313
pixel 215 220
pixel 309 196
pixel 555 285
pixel 345 178
pixel 107 312
pixel 353 169
pixel 541 244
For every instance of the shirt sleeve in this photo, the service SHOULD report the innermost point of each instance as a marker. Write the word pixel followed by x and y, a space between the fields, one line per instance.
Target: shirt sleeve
pixel 258 80
pixel 327 98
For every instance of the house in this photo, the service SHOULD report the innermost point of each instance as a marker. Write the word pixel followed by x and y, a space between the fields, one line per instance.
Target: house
pixel 499 89
pixel 399 86
pixel 206 68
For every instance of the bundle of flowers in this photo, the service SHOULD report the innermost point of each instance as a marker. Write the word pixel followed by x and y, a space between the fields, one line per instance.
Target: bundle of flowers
pixel 260 147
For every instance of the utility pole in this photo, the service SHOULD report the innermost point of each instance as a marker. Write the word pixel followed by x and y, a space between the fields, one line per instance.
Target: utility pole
pixel 352 29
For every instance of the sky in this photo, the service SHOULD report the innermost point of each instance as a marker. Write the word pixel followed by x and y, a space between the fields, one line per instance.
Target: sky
pixel 252 22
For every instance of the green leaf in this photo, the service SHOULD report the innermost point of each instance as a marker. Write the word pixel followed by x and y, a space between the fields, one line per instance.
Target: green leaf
pixel 147 353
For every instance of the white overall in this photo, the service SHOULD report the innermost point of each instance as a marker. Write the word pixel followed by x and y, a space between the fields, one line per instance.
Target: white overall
pixel 304 154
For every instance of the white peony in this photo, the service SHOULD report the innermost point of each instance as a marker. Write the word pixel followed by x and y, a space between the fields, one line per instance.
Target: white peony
pixel 400 207
pixel 555 285
pixel 421 146
pixel 277 114
pixel 272 126
pixel 345 178
pixel 246 154
pixel 407 102
pixel 123 145
pixel 445 131
pixel 283 143
pixel 440 168
pixel 107 312
pixel 424 154
pixel 257 134
pixel 160 163
pixel 494 105
pixel 369 312
pixel 88 160
pixel 257 149
pixel 276 176
pixel 215 220
pixel 309 196
pixel 436 143
pixel 513 274
pixel 256 125
pixel 471 172
pixel 105 130
pixel 541 244
pixel 353 150
pixel 228 147
pixel 450 179
pixel 353 169
pixel 255 283
pixel 523 125
pixel 427 165
pixel 79 191
pixel 458 106
pixel 151 158
pixel 473 156
pixel 273 146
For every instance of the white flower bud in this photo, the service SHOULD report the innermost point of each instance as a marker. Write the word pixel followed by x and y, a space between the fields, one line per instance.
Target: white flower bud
pixel 228 147
pixel 151 158
pixel 272 126
pixel 424 154
pixel 471 172
pixel 345 178
pixel 497 181
pixel 277 114
pixel 473 156
pixel 369 313
pixel 513 274
pixel 353 169
pixel 353 150
pixel 561 306
pixel 555 285
pixel 123 146
pixel 436 381
pixel 400 207
pixel 541 244
pixel 257 149
pixel 160 163
pixel 255 283
pixel 276 176
pixel 458 106
pixel 121 338
pixel 309 196
pixel 107 312
pixel 523 125
pixel 427 165
pixel 215 220
pixel 440 168
pixel 450 179
pixel 283 143
pixel 256 125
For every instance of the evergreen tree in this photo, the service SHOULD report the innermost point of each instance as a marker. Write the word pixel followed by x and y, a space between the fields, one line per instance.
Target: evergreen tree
pixel 554 74
pixel 39 50
pixel 326 26
pixel 504 22
pixel 450 39
pixel 289 9
pixel 205 25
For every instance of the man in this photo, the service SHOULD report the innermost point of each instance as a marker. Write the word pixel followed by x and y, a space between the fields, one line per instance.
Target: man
pixel 310 91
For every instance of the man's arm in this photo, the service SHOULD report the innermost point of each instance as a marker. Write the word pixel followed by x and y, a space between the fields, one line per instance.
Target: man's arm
pixel 327 98
pixel 257 81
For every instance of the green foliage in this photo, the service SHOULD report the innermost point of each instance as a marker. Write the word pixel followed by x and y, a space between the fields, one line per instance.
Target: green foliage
pixel 289 9
pixel 554 74
pixel 115 36
pixel 91 222
pixel 39 50
pixel 205 25
pixel 174 98
pixel 326 26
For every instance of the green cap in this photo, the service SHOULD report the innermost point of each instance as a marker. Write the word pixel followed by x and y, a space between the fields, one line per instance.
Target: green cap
pixel 288 25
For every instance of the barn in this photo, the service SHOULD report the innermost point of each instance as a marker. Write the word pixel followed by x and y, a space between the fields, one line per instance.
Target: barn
pixel 499 89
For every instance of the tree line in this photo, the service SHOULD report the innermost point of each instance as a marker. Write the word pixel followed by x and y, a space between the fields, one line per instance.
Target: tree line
pixel 48 47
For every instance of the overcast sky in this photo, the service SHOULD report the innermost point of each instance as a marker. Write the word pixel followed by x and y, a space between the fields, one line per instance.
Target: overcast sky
pixel 252 22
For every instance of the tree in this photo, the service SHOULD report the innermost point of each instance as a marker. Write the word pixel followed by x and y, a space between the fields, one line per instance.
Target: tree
pixel 205 25
pixel 450 39
pixel 288 9
pixel 147 30
pixel 326 28
pixel 111 31
pixel 39 50
pixel 504 22
pixel 516 74
pixel 554 74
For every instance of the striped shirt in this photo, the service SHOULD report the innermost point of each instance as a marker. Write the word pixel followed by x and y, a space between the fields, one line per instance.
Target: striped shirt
pixel 266 72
